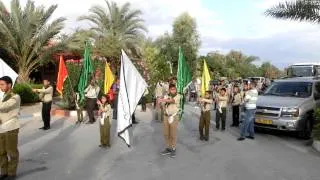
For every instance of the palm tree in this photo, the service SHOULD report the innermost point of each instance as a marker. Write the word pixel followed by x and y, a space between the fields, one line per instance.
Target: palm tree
pixel 116 28
pixel 301 10
pixel 25 34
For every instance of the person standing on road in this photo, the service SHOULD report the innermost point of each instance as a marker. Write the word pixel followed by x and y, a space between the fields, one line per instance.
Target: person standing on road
pixel 144 101
pixel 9 130
pixel 236 101
pixel 79 108
pixel 159 93
pixel 105 121
pixel 45 94
pixel 204 122
pixel 250 100
pixel 91 94
pixel 221 115
pixel 171 120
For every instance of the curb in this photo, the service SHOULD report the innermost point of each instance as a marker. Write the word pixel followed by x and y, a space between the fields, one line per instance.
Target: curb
pixel 316 145
pixel 59 112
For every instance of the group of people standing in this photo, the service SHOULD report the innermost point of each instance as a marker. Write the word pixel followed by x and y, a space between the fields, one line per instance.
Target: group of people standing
pixel 241 97
pixel 167 103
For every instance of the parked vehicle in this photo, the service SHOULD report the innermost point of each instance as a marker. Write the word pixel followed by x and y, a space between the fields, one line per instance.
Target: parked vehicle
pixel 303 70
pixel 288 105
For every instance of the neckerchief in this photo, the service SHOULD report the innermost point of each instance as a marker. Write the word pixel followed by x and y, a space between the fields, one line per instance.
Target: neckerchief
pixel 7 96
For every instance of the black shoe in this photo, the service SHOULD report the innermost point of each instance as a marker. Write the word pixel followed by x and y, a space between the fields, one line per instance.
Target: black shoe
pixel 206 138
pixel 201 138
pixel 3 177
pixel 250 137
pixel 173 153
pixel 167 151
pixel 223 129
pixel 241 139
pixel 135 122
pixel 103 146
pixel 46 128
pixel 42 128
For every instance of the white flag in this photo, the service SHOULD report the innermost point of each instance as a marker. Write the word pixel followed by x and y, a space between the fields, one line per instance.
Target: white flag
pixel 132 87
pixel 6 70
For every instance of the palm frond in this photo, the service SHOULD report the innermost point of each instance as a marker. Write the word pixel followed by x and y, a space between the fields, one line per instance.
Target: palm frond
pixel 301 10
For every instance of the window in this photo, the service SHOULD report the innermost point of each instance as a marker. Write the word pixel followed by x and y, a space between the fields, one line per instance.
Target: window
pixel 294 89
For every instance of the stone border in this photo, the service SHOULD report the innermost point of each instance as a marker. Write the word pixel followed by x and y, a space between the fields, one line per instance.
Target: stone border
pixel 316 145
pixel 62 113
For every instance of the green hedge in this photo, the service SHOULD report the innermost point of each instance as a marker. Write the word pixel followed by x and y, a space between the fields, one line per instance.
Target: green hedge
pixel 25 92
pixel 71 84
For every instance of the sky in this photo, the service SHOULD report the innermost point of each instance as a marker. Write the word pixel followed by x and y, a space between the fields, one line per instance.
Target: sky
pixel 223 25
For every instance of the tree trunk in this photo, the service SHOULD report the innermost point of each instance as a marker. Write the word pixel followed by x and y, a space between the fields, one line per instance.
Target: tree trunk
pixel 23 76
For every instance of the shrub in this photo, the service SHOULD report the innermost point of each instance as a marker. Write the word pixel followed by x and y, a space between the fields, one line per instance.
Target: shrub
pixel 316 128
pixel 71 84
pixel 25 92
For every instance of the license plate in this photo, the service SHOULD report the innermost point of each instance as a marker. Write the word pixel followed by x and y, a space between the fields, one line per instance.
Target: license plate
pixel 264 121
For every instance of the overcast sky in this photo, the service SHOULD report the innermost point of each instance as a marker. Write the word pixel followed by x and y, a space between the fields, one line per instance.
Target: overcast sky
pixel 223 25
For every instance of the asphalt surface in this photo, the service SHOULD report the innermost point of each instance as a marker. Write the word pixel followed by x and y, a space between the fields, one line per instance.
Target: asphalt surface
pixel 70 152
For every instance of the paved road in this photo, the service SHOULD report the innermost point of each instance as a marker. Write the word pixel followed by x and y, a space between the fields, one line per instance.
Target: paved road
pixel 69 152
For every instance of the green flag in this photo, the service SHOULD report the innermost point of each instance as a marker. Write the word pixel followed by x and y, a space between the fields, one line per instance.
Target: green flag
pixel 86 72
pixel 183 78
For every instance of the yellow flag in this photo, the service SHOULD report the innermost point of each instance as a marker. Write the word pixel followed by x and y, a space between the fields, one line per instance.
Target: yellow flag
pixel 108 78
pixel 205 81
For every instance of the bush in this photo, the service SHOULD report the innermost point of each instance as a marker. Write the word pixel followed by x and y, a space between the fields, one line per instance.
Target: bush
pixel 36 86
pixel 71 85
pixel 316 128
pixel 25 92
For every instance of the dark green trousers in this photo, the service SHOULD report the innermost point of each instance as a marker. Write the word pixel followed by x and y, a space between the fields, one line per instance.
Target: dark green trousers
pixel 105 132
pixel 204 124
pixel 9 154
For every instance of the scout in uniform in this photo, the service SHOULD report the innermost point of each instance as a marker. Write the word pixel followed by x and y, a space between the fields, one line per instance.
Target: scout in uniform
pixel 79 108
pixel 9 129
pixel 236 101
pixel 105 121
pixel 171 120
pixel 204 122
pixel 222 101
pixel 45 95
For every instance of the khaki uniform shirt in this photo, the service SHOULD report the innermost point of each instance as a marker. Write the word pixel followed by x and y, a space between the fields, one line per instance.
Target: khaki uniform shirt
pixel 106 109
pixel 9 111
pixel 208 105
pixel 237 99
pixel 223 100
pixel 106 112
pixel 45 94
pixel 173 108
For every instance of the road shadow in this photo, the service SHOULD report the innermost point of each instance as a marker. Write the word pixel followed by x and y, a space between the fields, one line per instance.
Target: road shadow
pixel 48 152
pixel 37 133
pixel 31 171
